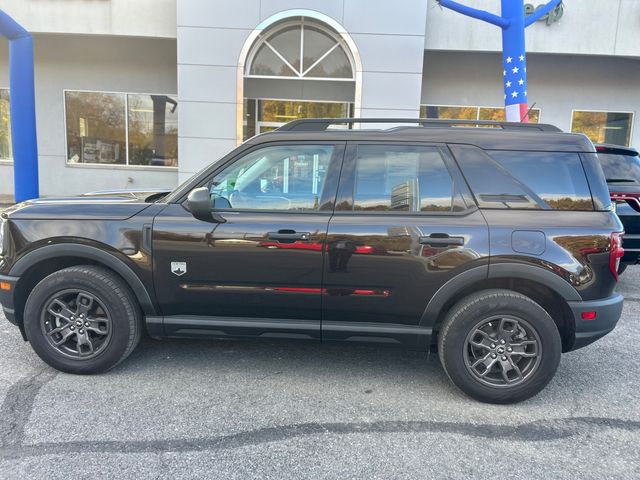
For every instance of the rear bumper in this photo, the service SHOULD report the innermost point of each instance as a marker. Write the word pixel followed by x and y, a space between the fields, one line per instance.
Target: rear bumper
pixel 6 297
pixel 607 310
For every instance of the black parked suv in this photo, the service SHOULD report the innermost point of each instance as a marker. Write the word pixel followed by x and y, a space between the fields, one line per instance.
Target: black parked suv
pixel 496 246
pixel 621 168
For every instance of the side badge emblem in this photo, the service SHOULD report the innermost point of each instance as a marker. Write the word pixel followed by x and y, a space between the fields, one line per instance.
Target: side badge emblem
pixel 178 268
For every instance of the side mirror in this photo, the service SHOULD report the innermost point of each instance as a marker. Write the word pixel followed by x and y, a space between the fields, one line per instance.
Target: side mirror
pixel 199 203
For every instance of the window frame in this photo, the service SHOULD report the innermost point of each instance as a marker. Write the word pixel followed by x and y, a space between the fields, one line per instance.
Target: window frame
pixel 117 166
pixel 264 38
pixel 478 108
pixel 331 182
pixel 586 110
pixel 347 184
pixel 8 160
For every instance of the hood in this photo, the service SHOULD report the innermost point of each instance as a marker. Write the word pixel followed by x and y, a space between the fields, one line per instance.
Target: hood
pixel 100 207
pixel 142 194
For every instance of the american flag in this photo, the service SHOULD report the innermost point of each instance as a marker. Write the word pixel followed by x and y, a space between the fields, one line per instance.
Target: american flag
pixel 515 86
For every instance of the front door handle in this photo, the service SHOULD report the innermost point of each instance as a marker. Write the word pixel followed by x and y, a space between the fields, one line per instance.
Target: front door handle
pixel 290 236
pixel 441 240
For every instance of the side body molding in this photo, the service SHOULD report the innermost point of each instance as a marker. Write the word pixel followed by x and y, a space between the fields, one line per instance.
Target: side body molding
pixel 91 253
pixel 503 270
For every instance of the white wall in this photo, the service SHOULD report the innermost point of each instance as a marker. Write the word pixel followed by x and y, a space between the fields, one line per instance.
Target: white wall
pixel 557 83
pixel 91 63
pixel 593 27
pixel 388 35
pixel 148 18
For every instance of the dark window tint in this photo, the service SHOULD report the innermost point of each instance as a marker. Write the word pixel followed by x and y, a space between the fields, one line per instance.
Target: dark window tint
pixel 404 179
pixel 620 168
pixel 558 179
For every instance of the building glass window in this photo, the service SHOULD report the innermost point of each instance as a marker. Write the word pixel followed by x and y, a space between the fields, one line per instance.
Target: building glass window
pixel 264 115
pixel 323 54
pixel 121 129
pixel 454 112
pixel 153 130
pixel 603 127
pixel 5 126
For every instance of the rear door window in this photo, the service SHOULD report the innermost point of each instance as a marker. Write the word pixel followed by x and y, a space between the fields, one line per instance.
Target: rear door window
pixel 403 178
pixel 558 179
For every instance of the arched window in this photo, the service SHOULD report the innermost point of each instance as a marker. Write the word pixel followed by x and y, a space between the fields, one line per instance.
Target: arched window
pixel 296 64
pixel 300 49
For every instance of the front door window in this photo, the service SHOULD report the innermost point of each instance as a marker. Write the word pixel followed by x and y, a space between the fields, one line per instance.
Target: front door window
pixel 286 177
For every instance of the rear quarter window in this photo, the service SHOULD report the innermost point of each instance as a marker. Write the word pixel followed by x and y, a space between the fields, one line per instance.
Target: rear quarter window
pixel 558 179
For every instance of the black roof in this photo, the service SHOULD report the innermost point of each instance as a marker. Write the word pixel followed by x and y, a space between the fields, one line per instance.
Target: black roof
pixel 504 135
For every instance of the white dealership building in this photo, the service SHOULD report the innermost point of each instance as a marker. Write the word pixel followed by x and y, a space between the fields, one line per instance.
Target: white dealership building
pixel 140 94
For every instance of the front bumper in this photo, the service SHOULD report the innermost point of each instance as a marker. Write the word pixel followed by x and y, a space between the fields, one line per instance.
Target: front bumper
pixel 6 297
pixel 607 313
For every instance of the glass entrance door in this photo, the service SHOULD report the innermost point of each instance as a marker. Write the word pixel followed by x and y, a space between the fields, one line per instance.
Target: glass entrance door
pixel 264 115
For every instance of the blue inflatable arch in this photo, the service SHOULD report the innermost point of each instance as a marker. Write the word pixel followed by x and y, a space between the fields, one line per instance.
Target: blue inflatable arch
pixel 23 109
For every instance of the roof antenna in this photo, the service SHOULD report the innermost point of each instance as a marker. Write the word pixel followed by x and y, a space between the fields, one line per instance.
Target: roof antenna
pixel 526 115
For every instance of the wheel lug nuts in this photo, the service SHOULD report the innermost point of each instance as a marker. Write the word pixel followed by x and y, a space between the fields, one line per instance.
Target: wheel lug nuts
pixel 86 324
pixel 504 358
pixel 80 331
pixel 493 355
pixel 72 317
pixel 72 327
pixel 493 345
pixel 509 349
pixel 502 341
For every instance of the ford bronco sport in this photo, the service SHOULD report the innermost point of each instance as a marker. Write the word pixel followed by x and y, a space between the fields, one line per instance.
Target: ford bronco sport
pixel 496 246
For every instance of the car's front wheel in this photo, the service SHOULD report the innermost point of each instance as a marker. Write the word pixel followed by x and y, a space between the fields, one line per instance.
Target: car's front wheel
pixel 499 346
pixel 82 319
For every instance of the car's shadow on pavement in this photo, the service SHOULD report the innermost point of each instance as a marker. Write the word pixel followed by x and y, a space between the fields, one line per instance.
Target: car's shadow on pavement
pixel 265 358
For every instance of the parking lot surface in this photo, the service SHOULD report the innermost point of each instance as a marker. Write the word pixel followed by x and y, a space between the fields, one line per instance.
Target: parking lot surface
pixel 213 409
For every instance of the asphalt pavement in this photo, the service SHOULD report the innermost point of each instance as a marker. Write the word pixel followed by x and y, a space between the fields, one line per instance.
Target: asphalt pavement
pixel 214 409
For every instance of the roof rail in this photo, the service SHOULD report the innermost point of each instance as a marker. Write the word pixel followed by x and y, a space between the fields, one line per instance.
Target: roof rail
pixel 322 124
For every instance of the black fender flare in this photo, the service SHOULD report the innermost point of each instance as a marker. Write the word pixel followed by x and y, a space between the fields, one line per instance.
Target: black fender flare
pixel 90 253
pixel 503 270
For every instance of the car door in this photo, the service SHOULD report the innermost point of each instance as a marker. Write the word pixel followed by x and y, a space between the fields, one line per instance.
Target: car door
pixel 258 269
pixel 405 223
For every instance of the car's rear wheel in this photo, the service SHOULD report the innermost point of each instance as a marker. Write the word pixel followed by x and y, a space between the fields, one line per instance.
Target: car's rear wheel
pixel 499 346
pixel 82 319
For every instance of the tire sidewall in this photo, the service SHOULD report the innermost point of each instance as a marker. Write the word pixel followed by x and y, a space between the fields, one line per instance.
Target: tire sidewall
pixel 120 313
pixel 464 319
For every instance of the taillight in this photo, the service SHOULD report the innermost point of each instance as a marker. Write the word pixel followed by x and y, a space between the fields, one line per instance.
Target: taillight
pixel 615 254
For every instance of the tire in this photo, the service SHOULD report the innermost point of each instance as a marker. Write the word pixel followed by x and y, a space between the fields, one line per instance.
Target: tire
pixel 461 346
pixel 622 267
pixel 91 311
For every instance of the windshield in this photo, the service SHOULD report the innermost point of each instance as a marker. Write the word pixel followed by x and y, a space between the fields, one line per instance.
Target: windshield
pixel 620 168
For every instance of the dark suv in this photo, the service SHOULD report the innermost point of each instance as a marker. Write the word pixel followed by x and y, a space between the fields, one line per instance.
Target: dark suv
pixel 621 168
pixel 496 246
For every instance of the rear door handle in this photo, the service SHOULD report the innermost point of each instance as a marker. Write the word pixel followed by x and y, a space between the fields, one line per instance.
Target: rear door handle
pixel 288 236
pixel 441 240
